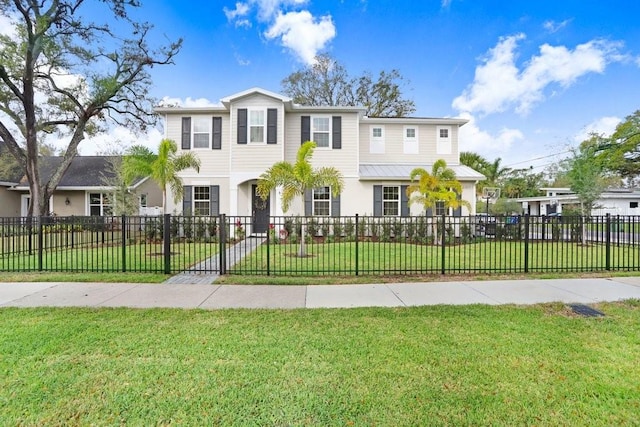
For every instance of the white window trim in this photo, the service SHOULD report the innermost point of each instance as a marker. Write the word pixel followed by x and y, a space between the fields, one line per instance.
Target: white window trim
pixel 102 203
pixel 330 131
pixel 264 126
pixel 398 201
pixel 209 124
pixel 313 202
pixel 193 199
pixel 444 145
pixel 376 144
pixel 410 145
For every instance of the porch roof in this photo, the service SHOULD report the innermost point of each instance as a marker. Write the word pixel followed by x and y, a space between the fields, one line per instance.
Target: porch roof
pixel 402 171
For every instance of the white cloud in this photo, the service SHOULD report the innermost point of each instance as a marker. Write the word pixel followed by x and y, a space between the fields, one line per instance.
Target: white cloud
pixel 298 30
pixel 603 126
pixel 241 10
pixel 472 138
pixel 188 102
pixel 553 26
pixel 499 84
pixel 302 34
pixel 445 3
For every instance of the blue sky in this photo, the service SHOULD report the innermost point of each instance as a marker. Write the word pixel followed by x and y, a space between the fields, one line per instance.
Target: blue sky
pixel 533 77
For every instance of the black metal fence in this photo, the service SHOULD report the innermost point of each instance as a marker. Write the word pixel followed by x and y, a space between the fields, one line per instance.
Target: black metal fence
pixel 291 245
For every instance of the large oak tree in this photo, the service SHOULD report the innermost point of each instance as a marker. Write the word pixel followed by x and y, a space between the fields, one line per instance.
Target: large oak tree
pixel 61 73
pixel 327 83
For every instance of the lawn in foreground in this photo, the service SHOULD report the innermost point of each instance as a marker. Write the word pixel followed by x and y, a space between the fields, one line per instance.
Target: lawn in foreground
pixel 405 366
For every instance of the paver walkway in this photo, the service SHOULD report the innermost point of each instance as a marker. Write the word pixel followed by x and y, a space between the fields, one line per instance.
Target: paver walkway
pixel 207 271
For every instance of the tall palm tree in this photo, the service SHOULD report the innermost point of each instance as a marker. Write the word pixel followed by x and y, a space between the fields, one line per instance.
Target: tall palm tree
pixel 296 178
pixel 163 167
pixel 440 185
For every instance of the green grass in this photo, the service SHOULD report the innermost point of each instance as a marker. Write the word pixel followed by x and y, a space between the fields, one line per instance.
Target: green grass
pixel 142 257
pixel 472 365
pixel 388 258
pixel 83 277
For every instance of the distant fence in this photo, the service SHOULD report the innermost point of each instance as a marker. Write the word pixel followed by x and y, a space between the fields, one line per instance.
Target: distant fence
pixel 293 245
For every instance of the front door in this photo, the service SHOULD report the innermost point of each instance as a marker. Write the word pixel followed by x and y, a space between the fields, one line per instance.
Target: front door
pixel 260 210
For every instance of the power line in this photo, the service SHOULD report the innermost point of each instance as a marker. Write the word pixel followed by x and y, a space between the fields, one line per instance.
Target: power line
pixel 538 158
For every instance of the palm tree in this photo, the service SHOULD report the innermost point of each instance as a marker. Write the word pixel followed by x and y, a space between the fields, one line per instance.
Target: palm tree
pixel 440 185
pixel 163 167
pixel 296 178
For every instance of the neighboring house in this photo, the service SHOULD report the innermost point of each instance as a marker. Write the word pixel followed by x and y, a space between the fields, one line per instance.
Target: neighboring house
pixel 82 189
pixel 250 131
pixel 615 201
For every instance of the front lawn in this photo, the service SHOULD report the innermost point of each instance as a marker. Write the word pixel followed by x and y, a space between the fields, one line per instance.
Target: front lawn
pixel 471 365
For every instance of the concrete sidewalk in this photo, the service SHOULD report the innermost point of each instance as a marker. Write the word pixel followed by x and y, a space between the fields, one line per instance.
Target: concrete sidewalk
pixel 523 292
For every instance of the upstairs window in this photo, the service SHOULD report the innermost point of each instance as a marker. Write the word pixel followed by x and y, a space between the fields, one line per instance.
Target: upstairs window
pixel 320 131
pixel 201 132
pixel 410 140
pixel 376 142
pixel 443 144
pixel 256 126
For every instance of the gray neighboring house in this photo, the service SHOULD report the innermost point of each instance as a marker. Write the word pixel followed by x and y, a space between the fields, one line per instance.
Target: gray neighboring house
pixel 83 190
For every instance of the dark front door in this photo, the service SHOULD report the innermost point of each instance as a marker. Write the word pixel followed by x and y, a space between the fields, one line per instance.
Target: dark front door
pixel 260 209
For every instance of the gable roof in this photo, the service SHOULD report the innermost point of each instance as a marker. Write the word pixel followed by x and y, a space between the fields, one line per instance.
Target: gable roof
pixel 84 172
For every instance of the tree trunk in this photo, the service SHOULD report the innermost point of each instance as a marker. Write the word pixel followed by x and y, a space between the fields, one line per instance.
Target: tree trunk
pixel 302 252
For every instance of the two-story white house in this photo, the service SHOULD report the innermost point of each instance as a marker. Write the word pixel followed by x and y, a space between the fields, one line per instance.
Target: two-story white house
pixel 250 131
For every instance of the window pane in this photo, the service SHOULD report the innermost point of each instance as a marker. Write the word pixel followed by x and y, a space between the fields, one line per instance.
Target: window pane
pixel 321 193
pixel 256 118
pixel 201 208
pixel 377 132
pixel 201 140
pixel 201 125
pixel 321 124
pixel 257 134
pixel 440 209
pixel 201 193
pixel 411 133
pixel 444 133
pixel 390 208
pixel 390 193
pixel 321 139
pixel 321 207
pixel 94 210
pixel 95 198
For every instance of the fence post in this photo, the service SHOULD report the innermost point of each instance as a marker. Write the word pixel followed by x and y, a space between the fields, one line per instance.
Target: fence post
pixel 40 242
pixel 356 234
pixel 123 223
pixel 166 238
pixel 608 242
pixel 222 243
pixel 442 236
pixel 526 243
pixel 268 245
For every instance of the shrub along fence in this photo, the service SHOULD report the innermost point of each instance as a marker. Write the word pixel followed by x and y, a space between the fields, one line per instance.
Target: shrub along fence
pixel 291 245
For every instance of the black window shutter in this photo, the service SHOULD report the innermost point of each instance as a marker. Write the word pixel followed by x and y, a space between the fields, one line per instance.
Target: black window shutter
pixel 186 133
pixel 337 132
pixel 404 201
pixel 215 200
pixel 429 211
pixel 305 125
pixel 377 200
pixel 272 126
pixel 308 202
pixel 335 205
pixel 217 133
pixel 186 200
pixel 242 125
